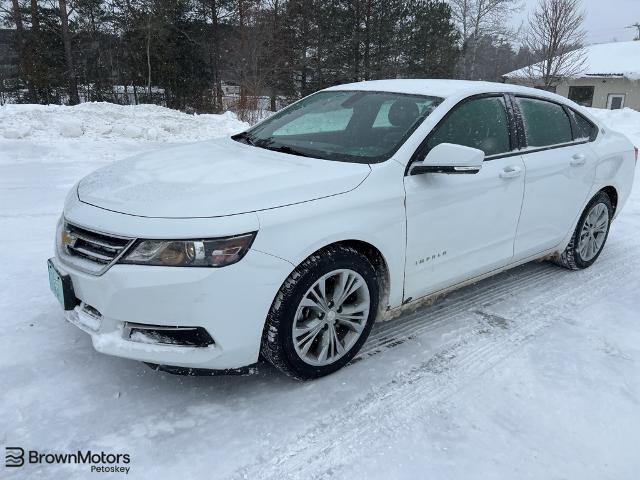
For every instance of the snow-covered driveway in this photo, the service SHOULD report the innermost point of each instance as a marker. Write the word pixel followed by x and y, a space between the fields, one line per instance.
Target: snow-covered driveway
pixel 534 373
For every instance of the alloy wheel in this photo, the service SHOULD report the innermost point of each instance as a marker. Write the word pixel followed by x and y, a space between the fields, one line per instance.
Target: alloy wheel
pixel 593 232
pixel 331 317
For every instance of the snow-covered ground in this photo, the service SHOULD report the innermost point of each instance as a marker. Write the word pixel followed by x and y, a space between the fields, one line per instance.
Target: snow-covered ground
pixel 534 373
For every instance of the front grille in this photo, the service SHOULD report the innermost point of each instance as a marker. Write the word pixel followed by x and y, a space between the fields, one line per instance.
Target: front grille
pixel 90 251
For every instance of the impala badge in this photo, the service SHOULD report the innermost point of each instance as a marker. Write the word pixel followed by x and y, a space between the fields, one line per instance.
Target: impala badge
pixel 431 258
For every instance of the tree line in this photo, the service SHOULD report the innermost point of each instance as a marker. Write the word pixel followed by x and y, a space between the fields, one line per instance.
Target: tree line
pixel 182 53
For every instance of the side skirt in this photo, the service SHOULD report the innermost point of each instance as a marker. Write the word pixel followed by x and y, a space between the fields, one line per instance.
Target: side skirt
pixel 430 298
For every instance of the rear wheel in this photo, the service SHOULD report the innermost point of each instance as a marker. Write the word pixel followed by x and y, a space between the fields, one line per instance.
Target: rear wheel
pixel 322 314
pixel 590 235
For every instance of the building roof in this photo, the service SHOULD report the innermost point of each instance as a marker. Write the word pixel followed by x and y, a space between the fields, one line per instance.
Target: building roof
pixel 617 59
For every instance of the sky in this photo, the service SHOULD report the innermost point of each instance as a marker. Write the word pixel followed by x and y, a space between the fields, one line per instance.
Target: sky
pixel 605 19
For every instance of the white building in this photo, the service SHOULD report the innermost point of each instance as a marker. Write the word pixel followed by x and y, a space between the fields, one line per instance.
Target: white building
pixel 610 77
pixel 230 88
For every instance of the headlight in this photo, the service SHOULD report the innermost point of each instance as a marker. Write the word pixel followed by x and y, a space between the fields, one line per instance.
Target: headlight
pixel 214 252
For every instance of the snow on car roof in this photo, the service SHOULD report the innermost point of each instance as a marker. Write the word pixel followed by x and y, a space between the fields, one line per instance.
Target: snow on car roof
pixel 443 88
pixel 618 59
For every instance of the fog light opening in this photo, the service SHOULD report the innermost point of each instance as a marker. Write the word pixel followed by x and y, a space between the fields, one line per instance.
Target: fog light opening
pixel 163 335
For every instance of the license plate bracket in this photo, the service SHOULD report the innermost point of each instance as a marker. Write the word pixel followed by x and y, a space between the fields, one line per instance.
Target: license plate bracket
pixel 62 287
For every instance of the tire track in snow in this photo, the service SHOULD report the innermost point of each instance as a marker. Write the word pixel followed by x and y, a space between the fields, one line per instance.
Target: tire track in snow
pixel 396 331
pixel 481 344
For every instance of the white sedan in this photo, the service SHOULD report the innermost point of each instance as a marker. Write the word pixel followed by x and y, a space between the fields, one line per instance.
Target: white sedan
pixel 288 241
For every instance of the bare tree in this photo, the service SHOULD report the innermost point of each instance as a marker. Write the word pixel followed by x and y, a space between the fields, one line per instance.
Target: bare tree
pixel 21 43
pixel 148 48
pixel 477 19
pixel 35 16
pixel 244 58
pixel 72 83
pixel 17 19
pixel 637 27
pixel 215 7
pixel 555 35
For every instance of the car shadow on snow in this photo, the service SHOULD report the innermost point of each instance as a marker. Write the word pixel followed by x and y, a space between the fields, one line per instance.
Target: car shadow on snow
pixel 472 303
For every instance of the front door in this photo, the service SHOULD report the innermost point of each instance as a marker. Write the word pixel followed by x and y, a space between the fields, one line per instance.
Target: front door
pixel 463 225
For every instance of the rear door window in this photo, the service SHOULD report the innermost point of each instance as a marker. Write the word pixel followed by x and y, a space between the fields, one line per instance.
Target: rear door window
pixel 545 123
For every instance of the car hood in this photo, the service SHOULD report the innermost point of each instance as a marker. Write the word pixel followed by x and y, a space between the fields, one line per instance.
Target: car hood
pixel 215 178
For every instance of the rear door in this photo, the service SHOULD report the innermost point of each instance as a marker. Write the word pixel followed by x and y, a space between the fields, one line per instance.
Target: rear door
pixel 560 170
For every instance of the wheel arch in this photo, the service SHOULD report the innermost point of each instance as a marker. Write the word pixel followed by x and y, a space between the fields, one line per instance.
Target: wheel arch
pixel 371 253
pixel 612 193
pixel 379 262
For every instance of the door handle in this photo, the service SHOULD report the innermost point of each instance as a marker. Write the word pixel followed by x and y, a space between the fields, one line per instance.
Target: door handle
pixel 577 160
pixel 512 171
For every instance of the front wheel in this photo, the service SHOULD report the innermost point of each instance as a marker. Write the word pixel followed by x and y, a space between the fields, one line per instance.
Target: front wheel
pixel 590 235
pixel 323 313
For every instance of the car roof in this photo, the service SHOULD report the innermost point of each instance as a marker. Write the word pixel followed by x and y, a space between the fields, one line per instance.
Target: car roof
pixel 445 88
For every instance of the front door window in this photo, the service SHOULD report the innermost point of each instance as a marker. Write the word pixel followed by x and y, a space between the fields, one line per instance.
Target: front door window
pixel 479 123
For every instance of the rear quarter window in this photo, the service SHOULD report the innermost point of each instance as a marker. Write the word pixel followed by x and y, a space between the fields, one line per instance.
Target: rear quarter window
pixel 585 130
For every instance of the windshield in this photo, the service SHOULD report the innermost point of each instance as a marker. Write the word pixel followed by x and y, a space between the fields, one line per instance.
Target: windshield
pixel 351 126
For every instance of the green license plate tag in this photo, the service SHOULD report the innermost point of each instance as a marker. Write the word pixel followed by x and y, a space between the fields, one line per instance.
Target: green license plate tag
pixel 61 287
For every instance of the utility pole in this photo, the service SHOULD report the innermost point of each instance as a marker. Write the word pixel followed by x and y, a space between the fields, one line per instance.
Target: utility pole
pixel 637 26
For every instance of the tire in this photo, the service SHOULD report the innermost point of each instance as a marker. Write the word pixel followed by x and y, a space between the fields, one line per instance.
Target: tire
pixel 575 257
pixel 298 303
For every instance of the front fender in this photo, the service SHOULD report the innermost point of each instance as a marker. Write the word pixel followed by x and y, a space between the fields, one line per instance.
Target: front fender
pixel 373 213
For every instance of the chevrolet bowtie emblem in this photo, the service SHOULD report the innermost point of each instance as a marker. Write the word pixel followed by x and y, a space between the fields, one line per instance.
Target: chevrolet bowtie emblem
pixel 67 239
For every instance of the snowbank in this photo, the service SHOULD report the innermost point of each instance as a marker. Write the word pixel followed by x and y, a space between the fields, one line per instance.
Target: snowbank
pixel 626 121
pixel 110 121
pixel 100 133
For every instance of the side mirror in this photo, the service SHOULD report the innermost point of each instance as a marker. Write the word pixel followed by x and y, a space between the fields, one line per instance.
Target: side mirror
pixel 449 158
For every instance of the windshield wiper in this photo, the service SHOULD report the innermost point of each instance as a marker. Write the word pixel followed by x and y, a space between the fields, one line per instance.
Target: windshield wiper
pixel 246 136
pixel 287 149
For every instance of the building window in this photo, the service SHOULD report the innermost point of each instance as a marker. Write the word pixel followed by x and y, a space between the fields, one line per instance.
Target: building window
pixel 615 101
pixel 582 95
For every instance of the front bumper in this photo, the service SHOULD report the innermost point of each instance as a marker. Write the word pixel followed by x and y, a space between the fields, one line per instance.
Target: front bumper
pixel 230 303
